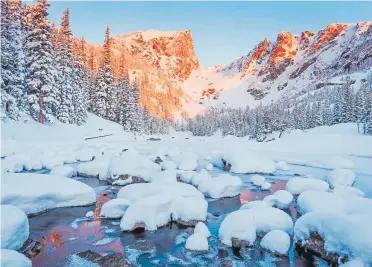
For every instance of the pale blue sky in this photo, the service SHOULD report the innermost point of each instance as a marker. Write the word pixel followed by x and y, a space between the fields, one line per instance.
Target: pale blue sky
pixel 221 31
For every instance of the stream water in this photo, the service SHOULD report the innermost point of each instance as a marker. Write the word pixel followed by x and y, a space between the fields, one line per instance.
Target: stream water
pixel 66 231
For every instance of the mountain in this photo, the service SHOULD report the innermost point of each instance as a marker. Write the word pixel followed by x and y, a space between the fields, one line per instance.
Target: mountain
pixel 285 66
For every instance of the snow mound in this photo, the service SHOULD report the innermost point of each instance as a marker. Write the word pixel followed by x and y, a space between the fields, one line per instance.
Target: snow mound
pixel 189 208
pixel 276 241
pixel 66 171
pixel 354 263
pixel 197 178
pixel 115 208
pixel 186 176
pixel 298 185
pixel 197 242
pixel 341 177
pixel 282 199
pixel 34 193
pixel 240 225
pixel 14 227
pixel 355 240
pixel 33 163
pixel 256 203
pixel 248 162
pixel 268 219
pixel 167 176
pixel 201 228
pixel 89 214
pixel 168 165
pixel 257 180
pixel 223 185
pixel 347 191
pixel 12 164
pixel 11 258
pixel 98 168
pixel 265 186
pixel 130 163
pixel 187 161
pixel 282 165
pixel 209 166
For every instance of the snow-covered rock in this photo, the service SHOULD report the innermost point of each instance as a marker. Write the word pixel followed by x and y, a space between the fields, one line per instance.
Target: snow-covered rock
pixel 12 164
pixel 248 162
pixel 167 176
pixel 257 180
pixel 33 163
pixel 355 240
pixel 187 161
pixel 223 185
pixel 197 242
pixel 14 227
pixel 201 228
pixel 186 176
pixel 282 165
pixel 265 186
pixel 52 162
pixel 256 203
pixel 168 165
pixel 298 185
pixel 238 225
pixel 201 176
pixel 187 209
pixel 89 214
pixel 341 177
pixel 98 168
pixel 347 191
pixel 66 171
pixel 131 164
pixel 282 199
pixel 115 208
pixel 270 199
pixel 34 193
pixel 209 166
pixel 11 258
pixel 276 241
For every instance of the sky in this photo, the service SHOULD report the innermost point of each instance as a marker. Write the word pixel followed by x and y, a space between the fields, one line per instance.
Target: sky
pixel 221 31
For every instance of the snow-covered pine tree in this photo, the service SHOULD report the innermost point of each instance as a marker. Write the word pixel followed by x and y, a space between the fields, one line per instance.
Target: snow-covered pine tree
pixel 123 93
pixel 133 119
pixel 40 81
pixel 13 65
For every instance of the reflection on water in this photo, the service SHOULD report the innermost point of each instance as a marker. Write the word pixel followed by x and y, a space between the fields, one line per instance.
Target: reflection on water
pixel 66 231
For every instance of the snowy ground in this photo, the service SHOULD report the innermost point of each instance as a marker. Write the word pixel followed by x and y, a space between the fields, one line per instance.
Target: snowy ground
pixel 312 154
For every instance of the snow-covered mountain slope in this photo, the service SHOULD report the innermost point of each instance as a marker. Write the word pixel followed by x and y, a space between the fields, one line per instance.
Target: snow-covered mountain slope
pixel 286 66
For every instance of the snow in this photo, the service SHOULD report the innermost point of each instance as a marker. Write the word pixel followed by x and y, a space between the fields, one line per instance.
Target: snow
pixel 13 164
pixel 167 176
pixel 282 199
pixel 257 180
pixel 89 214
pixel 133 164
pixel 96 168
pixel 66 171
pixel 202 229
pixel 186 176
pixel 265 186
pixel 256 203
pixel 35 193
pixel 223 185
pixel 238 224
pixel 248 162
pixel 341 177
pixel 11 258
pixel 356 238
pixel 347 191
pixel 33 163
pixel 189 208
pixel 14 227
pixel 197 242
pixel 354 263
pixel 276 241
pixel 187 161
pixel 115 208
pixel 283 166
pixel 168 165
pixel 209 167
pixel 298 185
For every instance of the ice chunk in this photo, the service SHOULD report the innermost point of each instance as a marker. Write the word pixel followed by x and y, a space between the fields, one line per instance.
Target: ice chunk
pixel 248 162
pixel 35 193
pixel 11 258
pixel 66 171
pixel 276 241
pixel 202 229
pixel 115 208
pixel 197 242
pixel 298 185
pixel 14 227
pixel 341 177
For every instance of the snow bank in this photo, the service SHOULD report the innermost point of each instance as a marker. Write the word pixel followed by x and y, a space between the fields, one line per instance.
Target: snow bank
pixel 197 242
pixel 14 227
pixel 201 228
pixel 35 193
pixel 190 208
pixel 347 191
pixel 223 185
pixel 187 161
pixel 355 240
pixel 130 163
pixel 12 164
pixel 341 177
pixel 276 241
pixel 11 258
pixel 248 162
pixel 282 199
pixel 240 225
pixel 115 208
pixel 66 171
pixel 167 176
pixel 282 165
pixel 98 168
pixel 168 165
pixel 298 185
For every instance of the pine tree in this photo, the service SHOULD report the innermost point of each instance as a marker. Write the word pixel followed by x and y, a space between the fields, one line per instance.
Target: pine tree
pixel 133 116
pixel 40 81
